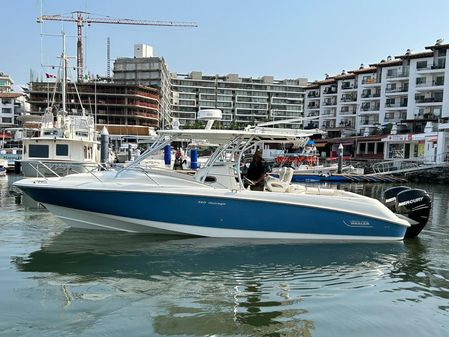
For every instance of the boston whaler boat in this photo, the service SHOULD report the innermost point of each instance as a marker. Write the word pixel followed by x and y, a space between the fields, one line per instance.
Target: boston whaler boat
pixel 214 202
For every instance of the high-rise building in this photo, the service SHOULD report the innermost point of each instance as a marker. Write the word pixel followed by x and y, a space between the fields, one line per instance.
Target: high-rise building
pixel 243 100
pixel 147 70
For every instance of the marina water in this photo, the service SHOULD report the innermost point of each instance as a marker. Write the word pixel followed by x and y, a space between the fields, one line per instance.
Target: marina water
pixel 56 281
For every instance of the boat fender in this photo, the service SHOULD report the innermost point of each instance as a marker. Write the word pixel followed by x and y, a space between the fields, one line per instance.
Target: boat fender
pixel 389 197
pixel 416 205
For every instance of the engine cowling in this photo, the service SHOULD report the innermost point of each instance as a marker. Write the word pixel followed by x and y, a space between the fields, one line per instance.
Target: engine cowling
pixel 414 204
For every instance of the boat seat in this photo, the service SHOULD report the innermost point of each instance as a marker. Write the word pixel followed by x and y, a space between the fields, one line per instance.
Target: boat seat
pixel 283 183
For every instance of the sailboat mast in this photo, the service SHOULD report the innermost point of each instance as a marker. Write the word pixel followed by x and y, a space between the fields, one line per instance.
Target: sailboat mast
pixel 64 74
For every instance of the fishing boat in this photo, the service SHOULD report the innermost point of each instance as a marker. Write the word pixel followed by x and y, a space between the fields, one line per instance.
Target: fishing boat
pixel 66 143
pixel 215 203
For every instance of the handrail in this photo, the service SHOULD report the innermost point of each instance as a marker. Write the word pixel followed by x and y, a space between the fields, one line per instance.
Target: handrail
pixel 44 165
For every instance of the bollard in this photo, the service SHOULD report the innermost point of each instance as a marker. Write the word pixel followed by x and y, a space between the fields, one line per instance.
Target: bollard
pixel 340 158
pixel 167 155
pixel 194 159
pixel 104 146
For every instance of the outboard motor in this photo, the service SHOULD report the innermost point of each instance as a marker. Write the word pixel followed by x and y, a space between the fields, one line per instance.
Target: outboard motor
pixel 415 204
pixel 390 196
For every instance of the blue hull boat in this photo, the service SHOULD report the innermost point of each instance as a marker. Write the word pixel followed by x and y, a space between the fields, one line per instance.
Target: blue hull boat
pixel 214 202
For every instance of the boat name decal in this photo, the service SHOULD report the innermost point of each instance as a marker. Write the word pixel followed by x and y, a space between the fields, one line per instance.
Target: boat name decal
pixel 357 223
pixel 412 201
pixel 215 203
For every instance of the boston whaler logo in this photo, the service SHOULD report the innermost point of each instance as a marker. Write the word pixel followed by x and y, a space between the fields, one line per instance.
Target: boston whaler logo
pixel 357 223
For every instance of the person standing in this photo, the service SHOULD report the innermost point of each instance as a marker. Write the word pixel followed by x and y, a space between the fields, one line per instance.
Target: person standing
pixel 256 172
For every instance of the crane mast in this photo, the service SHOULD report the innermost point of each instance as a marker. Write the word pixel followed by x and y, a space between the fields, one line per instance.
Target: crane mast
pixel 81 18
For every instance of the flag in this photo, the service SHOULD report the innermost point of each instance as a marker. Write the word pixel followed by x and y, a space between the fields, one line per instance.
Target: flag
pixel 47 75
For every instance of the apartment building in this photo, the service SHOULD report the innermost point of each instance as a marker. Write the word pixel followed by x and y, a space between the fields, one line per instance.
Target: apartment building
pixel 12 104
pixel 6 83
pixel 147 70
pixel 123 109
pixel 243 100
pixel 408 91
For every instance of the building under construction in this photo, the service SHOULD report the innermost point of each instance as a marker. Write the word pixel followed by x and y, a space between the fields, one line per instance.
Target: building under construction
pixel 123 109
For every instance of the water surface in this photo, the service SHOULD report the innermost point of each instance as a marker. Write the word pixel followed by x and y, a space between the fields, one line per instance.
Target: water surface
pixel 57 281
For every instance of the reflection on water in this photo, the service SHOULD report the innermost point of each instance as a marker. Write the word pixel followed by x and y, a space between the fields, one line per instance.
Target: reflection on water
pixel 59 281
pixel 226 287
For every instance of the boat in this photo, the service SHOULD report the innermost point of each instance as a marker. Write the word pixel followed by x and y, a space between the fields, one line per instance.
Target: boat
pixel 215 203
pixel 67 142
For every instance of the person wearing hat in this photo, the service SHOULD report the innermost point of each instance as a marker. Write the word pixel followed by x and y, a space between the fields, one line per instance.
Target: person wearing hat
pixel 256 172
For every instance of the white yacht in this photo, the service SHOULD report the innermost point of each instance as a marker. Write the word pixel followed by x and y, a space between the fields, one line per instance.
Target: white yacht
pixel 67 142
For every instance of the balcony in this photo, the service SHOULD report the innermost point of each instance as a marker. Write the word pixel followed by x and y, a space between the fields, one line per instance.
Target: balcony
pixel 434 100
pixel 392 91
pixel 313 106
pixel 370 108
pixel 313 115
pixel 367 81
pixel 371 95
pixel 313 94
pixel 398 105
pixel 348 99
pixel 329 103
pixel 433 85
pixel 370 122
pixel 435 68
pixel 348 87
pixel 347 123
pixel 400 73
pixel 330 90
pixel 347 112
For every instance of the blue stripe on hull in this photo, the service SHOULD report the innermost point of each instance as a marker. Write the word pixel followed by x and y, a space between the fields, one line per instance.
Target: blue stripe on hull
pixel 217 212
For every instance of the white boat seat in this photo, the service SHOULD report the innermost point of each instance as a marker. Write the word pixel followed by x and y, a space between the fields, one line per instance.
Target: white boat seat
pixel 283 183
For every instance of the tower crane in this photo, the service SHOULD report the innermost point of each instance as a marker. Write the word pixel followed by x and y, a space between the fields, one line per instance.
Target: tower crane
pixel 82 18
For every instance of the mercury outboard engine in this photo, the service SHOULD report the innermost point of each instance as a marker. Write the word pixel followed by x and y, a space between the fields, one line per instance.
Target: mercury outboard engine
pixel 415 204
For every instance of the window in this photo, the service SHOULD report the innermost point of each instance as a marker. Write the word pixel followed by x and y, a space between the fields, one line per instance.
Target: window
pixel 389 115
pixel 6 120
pixel 6 110
pixel 390 101
pixel 62 149
pixel 420 80
pixel 421 64
pixel 38 151
pixel 391 87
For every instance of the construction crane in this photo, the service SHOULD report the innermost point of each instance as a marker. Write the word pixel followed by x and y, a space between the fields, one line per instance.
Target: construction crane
pixel 82 18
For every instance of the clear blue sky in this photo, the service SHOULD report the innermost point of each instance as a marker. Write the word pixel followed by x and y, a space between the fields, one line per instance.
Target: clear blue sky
pixel 283 38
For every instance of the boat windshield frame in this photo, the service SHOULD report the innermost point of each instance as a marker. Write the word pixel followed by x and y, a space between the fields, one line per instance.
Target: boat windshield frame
pixel 231 149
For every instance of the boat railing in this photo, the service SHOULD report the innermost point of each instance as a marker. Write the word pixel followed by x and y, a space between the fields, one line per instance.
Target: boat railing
pixel 42 164
pixel 395 165
pixel 98 168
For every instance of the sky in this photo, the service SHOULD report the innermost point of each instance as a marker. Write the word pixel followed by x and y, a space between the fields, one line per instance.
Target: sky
pixel 253 38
